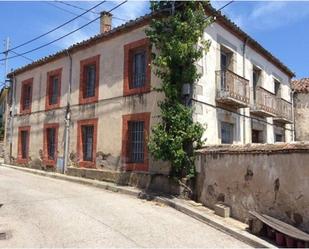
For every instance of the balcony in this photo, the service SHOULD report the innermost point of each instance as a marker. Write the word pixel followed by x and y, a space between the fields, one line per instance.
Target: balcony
pixel 232 89
pixel 284 112
pixel 265 103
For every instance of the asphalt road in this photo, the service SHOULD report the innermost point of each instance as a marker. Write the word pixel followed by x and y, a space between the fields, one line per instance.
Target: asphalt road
pixel 42 212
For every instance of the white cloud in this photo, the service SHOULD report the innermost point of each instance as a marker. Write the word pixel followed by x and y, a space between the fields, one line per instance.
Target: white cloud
pixel 269 15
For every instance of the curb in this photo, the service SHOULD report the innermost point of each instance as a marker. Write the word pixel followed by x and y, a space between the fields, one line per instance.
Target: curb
pixel 235 232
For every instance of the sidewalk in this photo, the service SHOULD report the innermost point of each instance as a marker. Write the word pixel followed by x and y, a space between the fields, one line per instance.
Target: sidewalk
pixel 195 210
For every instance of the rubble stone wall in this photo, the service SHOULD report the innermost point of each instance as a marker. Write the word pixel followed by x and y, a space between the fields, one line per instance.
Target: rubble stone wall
pixel 270 179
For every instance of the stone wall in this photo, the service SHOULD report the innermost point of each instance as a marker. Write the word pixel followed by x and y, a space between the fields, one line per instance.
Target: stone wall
pixel 271 179
pixel 301 101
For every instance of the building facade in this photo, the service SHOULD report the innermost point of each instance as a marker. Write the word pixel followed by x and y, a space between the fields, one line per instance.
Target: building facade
pixel 95 101
pixel 301 108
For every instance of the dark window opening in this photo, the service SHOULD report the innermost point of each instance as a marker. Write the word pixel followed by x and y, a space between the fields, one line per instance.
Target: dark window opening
pixel 277 88
pixel 227 136
pixel 26 92
pixel 136 141
pixel 24 144
pixel 90 80
pixel 87 142
pixel 51 143
pixel 256 78
pixel 257 136
pixel 279 138
pixel 138 69
pixel 53 90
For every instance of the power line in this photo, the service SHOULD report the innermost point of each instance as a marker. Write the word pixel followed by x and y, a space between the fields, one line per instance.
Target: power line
pixel 25 57
pixel 237 113
pixel 65 10
pixel 94 12
pixel 61 37
pixel 52 30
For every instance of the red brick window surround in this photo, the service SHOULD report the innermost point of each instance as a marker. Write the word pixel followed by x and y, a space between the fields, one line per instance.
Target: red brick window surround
pixel 50 144
pixel 135 133
pixel 87 142
pixel 89 80
pixel 137 72
pixel 53 89
pixel 23 144
pixel 26 96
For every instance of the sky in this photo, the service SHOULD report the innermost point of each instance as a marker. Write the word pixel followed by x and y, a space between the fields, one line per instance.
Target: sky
pixel 281 27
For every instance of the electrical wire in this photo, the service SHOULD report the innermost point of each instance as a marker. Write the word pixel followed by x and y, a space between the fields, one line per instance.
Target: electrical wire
pixel 61 37
pixel 52 30
pixel 94 12
pixel 25 57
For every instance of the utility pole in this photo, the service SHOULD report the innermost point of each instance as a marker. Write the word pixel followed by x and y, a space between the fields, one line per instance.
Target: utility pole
pixel 6 53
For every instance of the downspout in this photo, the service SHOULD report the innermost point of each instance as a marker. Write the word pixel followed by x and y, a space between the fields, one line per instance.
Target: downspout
pixel 12 113
pixel 67 119
pixel 293 116
pixel 244 75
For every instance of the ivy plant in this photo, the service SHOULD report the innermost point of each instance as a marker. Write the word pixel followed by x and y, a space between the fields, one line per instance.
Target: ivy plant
pixel 175 35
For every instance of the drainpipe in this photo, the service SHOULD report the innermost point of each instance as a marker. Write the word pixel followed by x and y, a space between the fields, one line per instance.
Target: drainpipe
pixel 12 113
pixel 244 75
pixel 293 115
pixel 67 119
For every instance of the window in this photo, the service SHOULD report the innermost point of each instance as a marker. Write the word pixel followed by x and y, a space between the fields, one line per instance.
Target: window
pixel 256 78
pixel 89 90
pixel 87 142
pixel 26 96
pixel 89 80
pixel 50 143
pixel 136 67
pixel 136 140
pixel 134 145
pixel 227 133
pixel 23 144
pixel 277 88
pixel 279 138
pixel 257 136
pixel 53 89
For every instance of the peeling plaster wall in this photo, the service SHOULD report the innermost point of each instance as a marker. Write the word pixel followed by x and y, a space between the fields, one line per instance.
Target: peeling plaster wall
pixel 272 183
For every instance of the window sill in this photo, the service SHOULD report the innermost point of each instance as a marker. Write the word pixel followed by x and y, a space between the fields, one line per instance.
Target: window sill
pixel 136 166
pixel 52 107
pixel 86 164
pixel 90 100
pixel 22 160
pixel 135 91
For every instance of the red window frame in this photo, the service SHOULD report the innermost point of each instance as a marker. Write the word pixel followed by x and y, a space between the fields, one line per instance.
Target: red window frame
pixel 89 61
pixel 58 73
pixel 46 160
pixel 20 159
pixel 28 82
pixel 145 117
pixel 129 50
pixel 80 123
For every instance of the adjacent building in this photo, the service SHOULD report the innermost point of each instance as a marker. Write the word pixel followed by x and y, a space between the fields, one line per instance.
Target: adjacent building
pixel 301 108
pixel 95 100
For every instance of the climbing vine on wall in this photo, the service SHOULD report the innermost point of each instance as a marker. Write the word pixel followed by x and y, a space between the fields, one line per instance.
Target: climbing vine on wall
pixel 176 35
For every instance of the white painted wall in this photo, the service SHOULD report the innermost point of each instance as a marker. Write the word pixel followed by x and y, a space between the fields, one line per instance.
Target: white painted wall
pixel 205 89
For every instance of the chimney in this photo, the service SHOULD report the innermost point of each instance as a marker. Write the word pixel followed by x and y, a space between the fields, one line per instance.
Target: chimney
pixel 105 21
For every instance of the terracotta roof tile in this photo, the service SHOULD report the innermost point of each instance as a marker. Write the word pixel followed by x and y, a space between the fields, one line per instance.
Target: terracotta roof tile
pixel 301 85
pixel 222 19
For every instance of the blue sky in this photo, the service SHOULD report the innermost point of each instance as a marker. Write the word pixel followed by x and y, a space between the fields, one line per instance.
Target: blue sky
pixel 281 27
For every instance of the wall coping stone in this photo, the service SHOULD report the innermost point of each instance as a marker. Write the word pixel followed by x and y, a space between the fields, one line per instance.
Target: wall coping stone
pixel 278 148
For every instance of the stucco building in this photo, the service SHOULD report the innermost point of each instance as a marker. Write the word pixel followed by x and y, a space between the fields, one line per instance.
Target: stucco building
pixel 95 100
pixel 301 108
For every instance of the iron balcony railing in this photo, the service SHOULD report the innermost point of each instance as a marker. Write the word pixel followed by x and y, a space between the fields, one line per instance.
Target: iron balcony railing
pixel 232 88
pixel 264 102
pixel 284 112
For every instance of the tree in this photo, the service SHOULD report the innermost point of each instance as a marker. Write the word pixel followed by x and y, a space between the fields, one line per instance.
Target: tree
pixel 175 34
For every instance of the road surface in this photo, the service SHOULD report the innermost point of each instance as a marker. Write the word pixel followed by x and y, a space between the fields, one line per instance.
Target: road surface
pixel 39 211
